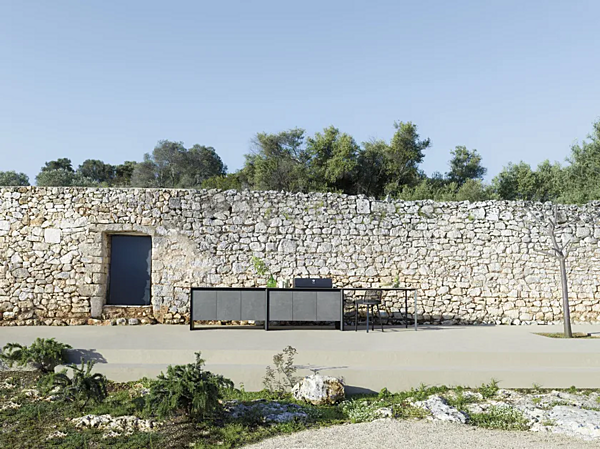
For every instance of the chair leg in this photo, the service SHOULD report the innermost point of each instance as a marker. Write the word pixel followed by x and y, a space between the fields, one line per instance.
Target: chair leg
pixel 355 317
pixel 379 316
pixel 373 315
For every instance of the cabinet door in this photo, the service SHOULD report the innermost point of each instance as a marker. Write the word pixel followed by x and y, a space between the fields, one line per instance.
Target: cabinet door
pixel 329 307
pixel 305 306
pixel 280 306
pixel 254 305
pixel 229 305
pixel 205 305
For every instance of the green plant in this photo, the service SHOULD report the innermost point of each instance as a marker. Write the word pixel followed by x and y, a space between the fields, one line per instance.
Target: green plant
pixel 259 266
pixel 44 354
pixel 537 387
pixel 384 393
pixel 188 388
pixel 282 377
pixel 360 410
pixel 500 417
pixel 459 400
pixel 489 390
pixel 271 282
pixel 83 386
pixel 262 270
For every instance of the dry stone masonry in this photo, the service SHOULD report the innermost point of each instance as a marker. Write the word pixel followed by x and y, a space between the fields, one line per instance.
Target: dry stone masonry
pixel 472 262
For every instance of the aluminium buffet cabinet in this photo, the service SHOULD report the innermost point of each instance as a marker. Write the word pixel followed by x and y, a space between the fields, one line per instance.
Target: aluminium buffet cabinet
pixel 260 304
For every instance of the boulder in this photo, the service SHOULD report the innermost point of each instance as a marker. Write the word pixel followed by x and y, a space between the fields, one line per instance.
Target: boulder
pixel 319 390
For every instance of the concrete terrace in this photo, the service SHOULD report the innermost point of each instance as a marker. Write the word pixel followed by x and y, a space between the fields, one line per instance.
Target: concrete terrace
pixel 398 358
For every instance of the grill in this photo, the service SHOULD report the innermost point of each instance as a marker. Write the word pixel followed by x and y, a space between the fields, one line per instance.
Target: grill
pixel 313 283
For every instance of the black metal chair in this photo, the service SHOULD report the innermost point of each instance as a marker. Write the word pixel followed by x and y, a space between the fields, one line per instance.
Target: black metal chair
pixel 370 300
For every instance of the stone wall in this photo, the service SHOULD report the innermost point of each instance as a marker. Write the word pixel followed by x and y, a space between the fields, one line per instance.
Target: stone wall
pixel 472 262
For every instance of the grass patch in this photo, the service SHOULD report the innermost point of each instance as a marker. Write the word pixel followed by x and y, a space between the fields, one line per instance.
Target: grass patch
pixel 504 418
pixel 561 335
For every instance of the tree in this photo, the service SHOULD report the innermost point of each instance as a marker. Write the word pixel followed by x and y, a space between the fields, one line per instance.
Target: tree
pixel 171 165
pixel 230 181
pixel 515 182
pixel 553 226
pixel 582 176
pixel 56 173
pixel 372 176
pixel 123 174
pixel 202 163
pixel 59 164
pixel 332 161
pixel 403 156
pixel 55 178
pixel 12 178
pixel 97 171
pixel 465 165
pixel 278 162
pixel 520 182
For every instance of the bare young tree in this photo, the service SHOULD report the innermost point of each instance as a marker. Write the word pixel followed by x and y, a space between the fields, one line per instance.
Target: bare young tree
pixel 559 251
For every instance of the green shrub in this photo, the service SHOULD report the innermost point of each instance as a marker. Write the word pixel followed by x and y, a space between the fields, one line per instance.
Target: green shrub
pixel 189 389
pixel 44 354
pixel 82 387
pixel 489 390
pixel 282 378
pixel 500 417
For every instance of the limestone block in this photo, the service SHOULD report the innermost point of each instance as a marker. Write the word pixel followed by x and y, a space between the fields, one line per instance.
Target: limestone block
pixel 52 235
pixel 96 305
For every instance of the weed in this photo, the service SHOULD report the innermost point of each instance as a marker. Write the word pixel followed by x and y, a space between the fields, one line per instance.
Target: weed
pixel 537 387
pixel 489 390
pixel 282 378
pixel 260 267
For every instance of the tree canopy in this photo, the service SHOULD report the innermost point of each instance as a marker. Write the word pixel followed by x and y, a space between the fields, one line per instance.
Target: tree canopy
pixel 333 161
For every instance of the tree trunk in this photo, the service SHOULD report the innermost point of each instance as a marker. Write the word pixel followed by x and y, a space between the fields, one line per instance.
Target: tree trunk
pixel 565 298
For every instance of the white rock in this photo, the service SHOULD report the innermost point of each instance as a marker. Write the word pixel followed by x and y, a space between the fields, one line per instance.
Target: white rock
pixel 441 411
pixel 319 390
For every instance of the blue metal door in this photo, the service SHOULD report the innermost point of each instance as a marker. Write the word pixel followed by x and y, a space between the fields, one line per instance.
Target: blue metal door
pixel 130 268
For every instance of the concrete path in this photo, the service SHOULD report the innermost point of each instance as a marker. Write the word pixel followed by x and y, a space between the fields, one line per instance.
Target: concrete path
pixel 418 434
pixel 398 358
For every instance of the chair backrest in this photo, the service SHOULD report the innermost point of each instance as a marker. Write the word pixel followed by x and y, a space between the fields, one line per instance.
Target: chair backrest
pixel 373 295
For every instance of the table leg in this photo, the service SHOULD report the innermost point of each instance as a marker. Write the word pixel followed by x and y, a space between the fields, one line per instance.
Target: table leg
pixel 406 309
pixel 367 319
pixel 415 310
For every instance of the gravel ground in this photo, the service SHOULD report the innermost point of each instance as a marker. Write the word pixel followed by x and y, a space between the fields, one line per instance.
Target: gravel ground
pixel 392 434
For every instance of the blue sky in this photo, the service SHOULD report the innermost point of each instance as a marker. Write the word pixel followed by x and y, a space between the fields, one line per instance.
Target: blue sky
pixel 517 80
